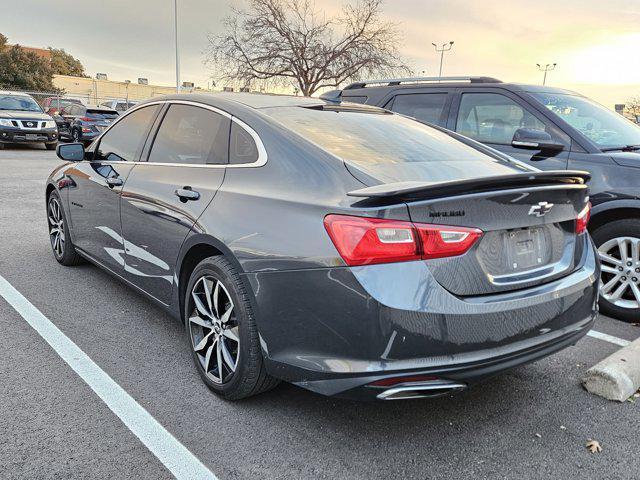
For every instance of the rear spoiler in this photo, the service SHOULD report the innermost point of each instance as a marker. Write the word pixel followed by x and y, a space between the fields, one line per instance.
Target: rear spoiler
pixel 424 190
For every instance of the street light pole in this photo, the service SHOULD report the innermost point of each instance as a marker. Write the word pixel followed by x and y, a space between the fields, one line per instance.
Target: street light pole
pixel 175 19
pixel 547 68
pixel 445 47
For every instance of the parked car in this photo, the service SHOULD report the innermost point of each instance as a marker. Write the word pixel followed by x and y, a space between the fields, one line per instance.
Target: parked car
pixel 80 123
pixel 344 248
pixel 119 105
pixel 548 128
pixel 53 105
pixel 23 121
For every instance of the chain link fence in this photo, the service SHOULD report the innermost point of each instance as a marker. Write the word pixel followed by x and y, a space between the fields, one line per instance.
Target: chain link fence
pixel 55 101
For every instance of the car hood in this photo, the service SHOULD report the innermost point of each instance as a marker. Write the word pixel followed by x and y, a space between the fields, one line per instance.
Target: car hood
pixel 626 159
pixel 16 114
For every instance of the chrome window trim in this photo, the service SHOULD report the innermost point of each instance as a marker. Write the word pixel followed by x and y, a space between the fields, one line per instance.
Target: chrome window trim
pixel 262 152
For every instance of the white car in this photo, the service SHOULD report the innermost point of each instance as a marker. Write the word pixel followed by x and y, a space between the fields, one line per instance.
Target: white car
pixel 119 105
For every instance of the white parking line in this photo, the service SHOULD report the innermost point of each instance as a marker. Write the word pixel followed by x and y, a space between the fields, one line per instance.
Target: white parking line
pixel 173 455
pixel 609 338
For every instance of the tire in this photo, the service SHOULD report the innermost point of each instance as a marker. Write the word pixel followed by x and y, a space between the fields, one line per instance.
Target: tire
pixel 1 146
pixel 76 137
pixel 207 331
pixel 51 146
pixel 62 248
pixel 617 271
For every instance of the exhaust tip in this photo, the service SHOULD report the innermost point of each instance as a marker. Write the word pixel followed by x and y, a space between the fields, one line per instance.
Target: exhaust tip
pixel 425 389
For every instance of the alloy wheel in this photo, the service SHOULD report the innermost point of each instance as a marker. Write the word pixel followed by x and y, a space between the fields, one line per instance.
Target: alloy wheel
pixel 214 329
pixel 56 227
pixel 620 278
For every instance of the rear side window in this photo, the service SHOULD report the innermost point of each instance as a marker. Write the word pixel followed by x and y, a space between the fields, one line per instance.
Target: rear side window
pixel 426 107
pixel 242 148
pixel 191 135
pixel 124 140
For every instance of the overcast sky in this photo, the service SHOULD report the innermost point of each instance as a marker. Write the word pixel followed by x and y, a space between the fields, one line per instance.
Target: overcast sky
pixel 595 43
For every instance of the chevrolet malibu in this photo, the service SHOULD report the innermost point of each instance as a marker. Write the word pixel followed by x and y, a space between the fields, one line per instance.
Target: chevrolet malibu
pixel 346 249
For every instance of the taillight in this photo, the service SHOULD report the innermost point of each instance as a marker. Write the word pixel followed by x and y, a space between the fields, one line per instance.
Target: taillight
pixel 87 119
pixel 583 219
pixel 440 241
pixel 366 241
pixel 363 241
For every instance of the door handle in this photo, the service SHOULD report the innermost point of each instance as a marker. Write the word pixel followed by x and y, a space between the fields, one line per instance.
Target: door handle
pixel 114 182
pixel 185 194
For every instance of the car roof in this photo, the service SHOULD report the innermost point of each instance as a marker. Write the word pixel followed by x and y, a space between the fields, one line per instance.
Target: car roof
pixel 251 100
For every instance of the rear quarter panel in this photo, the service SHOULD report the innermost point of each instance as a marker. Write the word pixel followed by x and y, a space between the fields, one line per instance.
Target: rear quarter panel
pixel 271 217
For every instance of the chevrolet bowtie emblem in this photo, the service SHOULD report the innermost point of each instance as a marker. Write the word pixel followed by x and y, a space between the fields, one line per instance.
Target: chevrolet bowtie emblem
pixel 541 209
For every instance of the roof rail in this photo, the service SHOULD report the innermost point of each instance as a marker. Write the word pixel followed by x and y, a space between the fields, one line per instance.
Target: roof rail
pixel 398 81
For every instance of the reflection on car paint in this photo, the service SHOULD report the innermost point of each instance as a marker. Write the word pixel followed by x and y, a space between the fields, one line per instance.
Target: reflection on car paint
pixel 134 251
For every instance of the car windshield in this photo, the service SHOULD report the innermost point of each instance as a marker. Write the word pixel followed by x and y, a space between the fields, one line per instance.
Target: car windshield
pixel 21 103
pixel 390 147
pixel 606 128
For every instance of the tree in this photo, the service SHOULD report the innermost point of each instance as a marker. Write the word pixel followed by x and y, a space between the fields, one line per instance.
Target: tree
pixel 23 70
pixel 633 106
pixel 289 42
pixel 62 63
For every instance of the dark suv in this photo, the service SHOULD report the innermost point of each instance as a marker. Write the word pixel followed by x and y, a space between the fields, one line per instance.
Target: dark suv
pixel 548 128
pixel 81 123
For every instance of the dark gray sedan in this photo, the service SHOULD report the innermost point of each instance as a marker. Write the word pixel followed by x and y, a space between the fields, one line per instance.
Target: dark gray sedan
pixel 341 247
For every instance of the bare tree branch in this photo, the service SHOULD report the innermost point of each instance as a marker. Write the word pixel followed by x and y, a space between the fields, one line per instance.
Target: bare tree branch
pixel 287 41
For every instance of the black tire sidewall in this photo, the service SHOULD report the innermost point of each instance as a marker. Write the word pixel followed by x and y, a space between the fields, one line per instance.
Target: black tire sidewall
pixel 219 268
pixel 620 228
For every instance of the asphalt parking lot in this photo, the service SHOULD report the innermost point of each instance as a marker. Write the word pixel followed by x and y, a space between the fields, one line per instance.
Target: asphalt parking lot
pixel 532 422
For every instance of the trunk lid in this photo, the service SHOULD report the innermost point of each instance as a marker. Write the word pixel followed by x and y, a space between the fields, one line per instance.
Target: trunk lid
pixel 528 221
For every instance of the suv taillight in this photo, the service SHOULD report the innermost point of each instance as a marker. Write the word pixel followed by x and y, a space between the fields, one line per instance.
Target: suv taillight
pixel 583 219
pixel 366 241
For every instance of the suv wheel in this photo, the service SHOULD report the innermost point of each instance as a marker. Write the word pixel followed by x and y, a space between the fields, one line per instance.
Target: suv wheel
pixel 619 251
pixel 222 333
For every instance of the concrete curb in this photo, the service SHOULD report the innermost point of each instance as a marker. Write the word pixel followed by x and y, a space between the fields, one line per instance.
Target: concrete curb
pixel 617 377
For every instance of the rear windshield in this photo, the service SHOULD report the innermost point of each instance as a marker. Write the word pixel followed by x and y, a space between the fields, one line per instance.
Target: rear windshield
pixel 390 147
pixel 104 114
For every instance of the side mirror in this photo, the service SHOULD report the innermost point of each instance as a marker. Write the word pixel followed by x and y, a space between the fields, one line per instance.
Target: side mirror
pixel 534 139
pixel 71 152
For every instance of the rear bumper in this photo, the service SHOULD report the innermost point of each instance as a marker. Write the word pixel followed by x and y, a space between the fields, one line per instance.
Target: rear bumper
pixel 336 330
